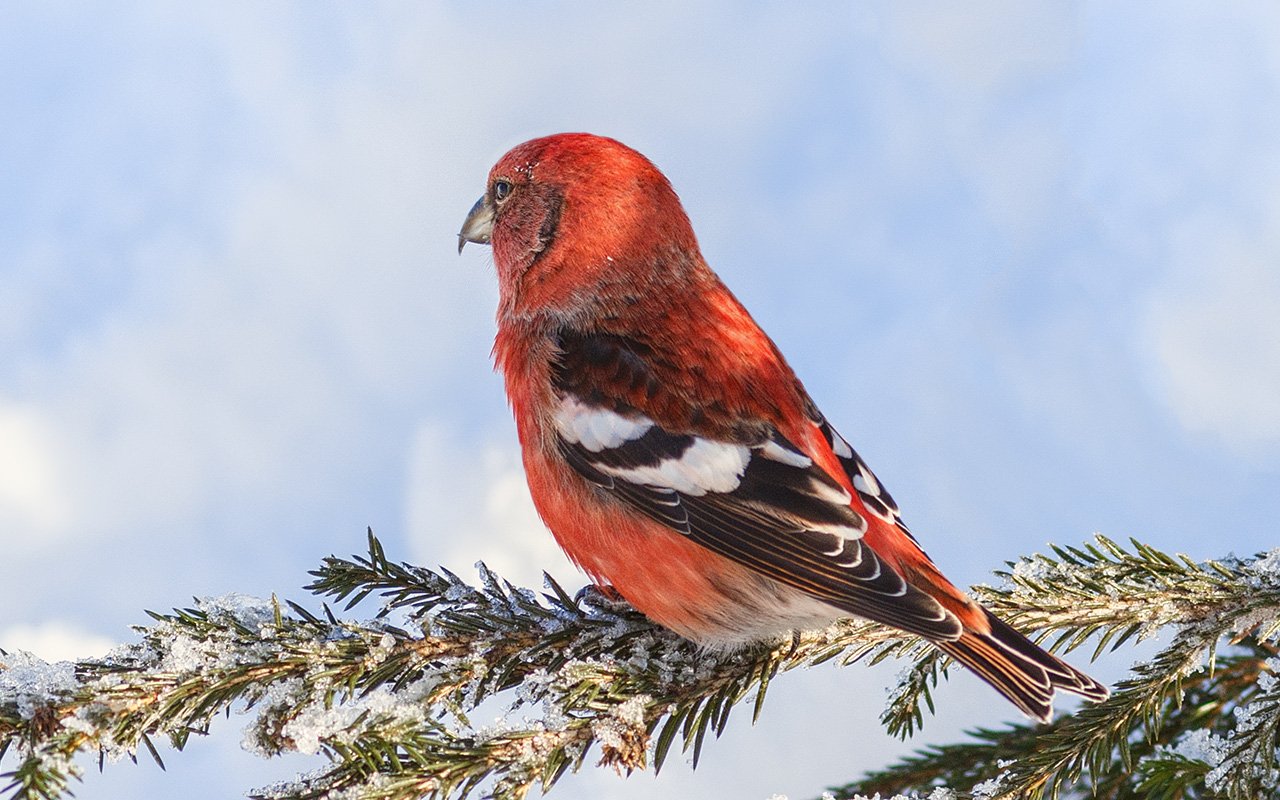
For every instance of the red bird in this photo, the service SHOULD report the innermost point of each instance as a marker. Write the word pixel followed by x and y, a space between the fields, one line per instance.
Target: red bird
pixel 670 448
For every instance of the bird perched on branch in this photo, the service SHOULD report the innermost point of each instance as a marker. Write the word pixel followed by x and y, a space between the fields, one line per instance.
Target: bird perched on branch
pixel 670 448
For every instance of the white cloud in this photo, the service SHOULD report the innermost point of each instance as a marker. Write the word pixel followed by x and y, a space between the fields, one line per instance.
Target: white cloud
pixel 978 52
pixel 33 494
pixel 246 339
pixel 1213 330
pixel 56 640
pixel 306 279
pixel 469 502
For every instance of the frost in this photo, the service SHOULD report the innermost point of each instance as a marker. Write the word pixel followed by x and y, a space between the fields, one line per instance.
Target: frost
pixel 623 722
pixel 254 613
pixel 632 711
pixel 30 683
pixel 79 723
pixel 188 654
pixel 315 723
pixel 534 685
pixel 279 698
pixel 940 793
pixel 1037 569
pixel 86 720
pixel 458 591
pixel 989 788
pixel 1238 754
pixel 382 650
pixel 478 668
pixel 1198 745
pixel 1266 569
pixel 307 783
pixel 1267 679
pixel 534 750
pixel 1251 619
pixel 904 684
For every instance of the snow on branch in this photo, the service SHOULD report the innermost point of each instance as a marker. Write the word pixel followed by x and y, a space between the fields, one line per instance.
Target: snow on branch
pixel 386 701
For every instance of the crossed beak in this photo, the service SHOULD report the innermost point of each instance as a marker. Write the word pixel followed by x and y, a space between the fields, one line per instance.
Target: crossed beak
pixel 478 225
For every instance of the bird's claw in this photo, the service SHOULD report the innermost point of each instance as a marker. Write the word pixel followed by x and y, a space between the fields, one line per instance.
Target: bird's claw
pixel 601 596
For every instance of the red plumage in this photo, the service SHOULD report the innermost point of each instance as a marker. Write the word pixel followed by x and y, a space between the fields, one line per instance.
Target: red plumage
pixel 670 448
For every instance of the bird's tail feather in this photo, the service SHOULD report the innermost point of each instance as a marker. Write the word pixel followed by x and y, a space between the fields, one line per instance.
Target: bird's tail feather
pixel 1018 669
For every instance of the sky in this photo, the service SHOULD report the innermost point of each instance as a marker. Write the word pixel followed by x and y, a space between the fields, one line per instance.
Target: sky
pixel 1026 256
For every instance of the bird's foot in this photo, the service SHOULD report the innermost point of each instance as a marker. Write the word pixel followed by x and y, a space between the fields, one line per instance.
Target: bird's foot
pixel 601 596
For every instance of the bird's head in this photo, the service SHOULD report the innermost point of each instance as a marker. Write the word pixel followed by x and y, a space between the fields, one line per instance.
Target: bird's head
pixel 575 211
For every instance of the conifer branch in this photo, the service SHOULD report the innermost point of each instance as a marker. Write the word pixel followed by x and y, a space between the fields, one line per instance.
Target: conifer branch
pixel 1130 743
pixel 386 701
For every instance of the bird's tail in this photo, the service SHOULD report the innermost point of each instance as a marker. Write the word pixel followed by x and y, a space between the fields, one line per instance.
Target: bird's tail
pixel 1018 669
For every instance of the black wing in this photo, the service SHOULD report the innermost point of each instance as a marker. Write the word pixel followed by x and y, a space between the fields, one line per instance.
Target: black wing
pixel 870 490
pixel 757 500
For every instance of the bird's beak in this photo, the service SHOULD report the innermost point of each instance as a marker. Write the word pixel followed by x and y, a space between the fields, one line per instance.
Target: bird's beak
pixel 478 225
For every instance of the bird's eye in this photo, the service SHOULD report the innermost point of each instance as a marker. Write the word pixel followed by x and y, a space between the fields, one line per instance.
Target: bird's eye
pixel 501 190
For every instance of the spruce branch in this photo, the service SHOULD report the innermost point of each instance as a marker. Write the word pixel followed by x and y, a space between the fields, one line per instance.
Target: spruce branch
pixel 387 701
pixel 387 704
pixel 1215 676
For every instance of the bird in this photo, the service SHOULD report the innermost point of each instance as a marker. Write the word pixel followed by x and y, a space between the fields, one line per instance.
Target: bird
pixel 671 450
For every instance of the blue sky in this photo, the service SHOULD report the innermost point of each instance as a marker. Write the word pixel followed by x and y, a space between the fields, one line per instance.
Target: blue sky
pixel 1026 256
